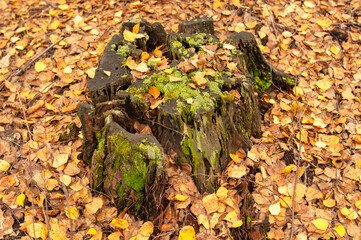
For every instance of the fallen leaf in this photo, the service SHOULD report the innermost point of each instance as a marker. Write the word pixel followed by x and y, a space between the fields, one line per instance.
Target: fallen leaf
pixel 20 199
pixel 349 213
pixel 154 92
pixel 233 218
pixel 187 233
pixel 320 223
pixel 40 67
pixel 275 208
pixel 120 223
pixel 199 79
pixel 202 219
pixel 340 230
pixel 4 165
pixel 72 212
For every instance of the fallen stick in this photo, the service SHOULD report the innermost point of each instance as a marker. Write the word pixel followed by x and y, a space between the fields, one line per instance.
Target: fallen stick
pixel 23 68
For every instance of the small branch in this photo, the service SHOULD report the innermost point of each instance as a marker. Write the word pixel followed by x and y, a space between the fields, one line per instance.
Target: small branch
pixel 298 165
pixel 23 68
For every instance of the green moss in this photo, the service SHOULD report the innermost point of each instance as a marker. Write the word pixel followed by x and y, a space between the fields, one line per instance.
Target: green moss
pixel 124 51
pixel 261 83
pixel 136 176
pixel 191 153
pixel 98 159
pixel 289 81
pixel 132 160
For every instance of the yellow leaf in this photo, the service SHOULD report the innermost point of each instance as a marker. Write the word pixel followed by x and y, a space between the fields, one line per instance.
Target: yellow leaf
pixel 94 32
pixel 51 184
pixel 72 212
pixel 118 14
pixel 340 230
pixel 358 204
pixel 49 106
pixel 21 44
pixel 304 136
pixel 324 23
pixel 233 218
pixel 275 208
pixel 320 223
pixel 68 69
pixel 37 230
pixel 181 198
pixel 235 158
pixel 334 49
pixel 57 231
pixel 236 3
pixel 324 84
pixel 187 233
pixel 91 231
pixel 60 160
pixel 129 36
pixel 115 236
pixel 120 223
pixel 202 219
pixel 66 179
pixel 174 79
pixel 64 7
pixel 349 213
pixel 298 91
pixel 156 104
pixel 217 4
pixel 222 193
pixel 288 169
pixel 40 66
pixel 231 66
pixel 20 199
pixel 154 92
pixel 251 25
pixel 145 231
pixel 329 202
pixel 55 24
pixel 136 28
pixel 309 4
pixel 91 72
pixel 4 165
pixel 287 200
pixel 108 73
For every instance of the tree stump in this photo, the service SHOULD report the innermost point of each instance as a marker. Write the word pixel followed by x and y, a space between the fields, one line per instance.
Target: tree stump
pixel 193 99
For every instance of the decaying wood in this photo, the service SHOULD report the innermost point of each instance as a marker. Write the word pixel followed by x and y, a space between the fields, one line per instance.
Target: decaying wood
pixel 129 164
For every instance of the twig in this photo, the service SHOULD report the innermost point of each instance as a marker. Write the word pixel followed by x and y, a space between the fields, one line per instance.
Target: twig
pixel 298 164
pixel 23 68
pixel 46 212
pixel 63 186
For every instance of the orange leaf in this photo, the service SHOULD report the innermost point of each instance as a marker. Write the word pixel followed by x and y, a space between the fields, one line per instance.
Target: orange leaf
pixel 154 92
pixel 136 28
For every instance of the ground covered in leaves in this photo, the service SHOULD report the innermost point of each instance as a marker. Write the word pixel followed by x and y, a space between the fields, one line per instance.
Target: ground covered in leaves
pixel 312 131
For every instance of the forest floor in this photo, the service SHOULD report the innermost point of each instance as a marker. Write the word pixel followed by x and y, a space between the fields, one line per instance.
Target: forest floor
pixel 312 131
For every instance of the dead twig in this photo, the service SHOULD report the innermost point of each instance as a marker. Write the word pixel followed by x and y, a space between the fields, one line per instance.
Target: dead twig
pixel 23 68
pixel 298 164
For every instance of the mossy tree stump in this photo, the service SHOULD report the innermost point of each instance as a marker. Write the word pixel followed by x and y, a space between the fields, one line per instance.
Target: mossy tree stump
pixel 199 108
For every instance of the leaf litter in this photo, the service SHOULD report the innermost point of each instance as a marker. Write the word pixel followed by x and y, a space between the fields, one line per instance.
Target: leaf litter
pixel 317 41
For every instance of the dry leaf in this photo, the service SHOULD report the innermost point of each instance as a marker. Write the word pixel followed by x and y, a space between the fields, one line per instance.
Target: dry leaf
pixel 187 233
pixel 320 223
pixel 154 92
